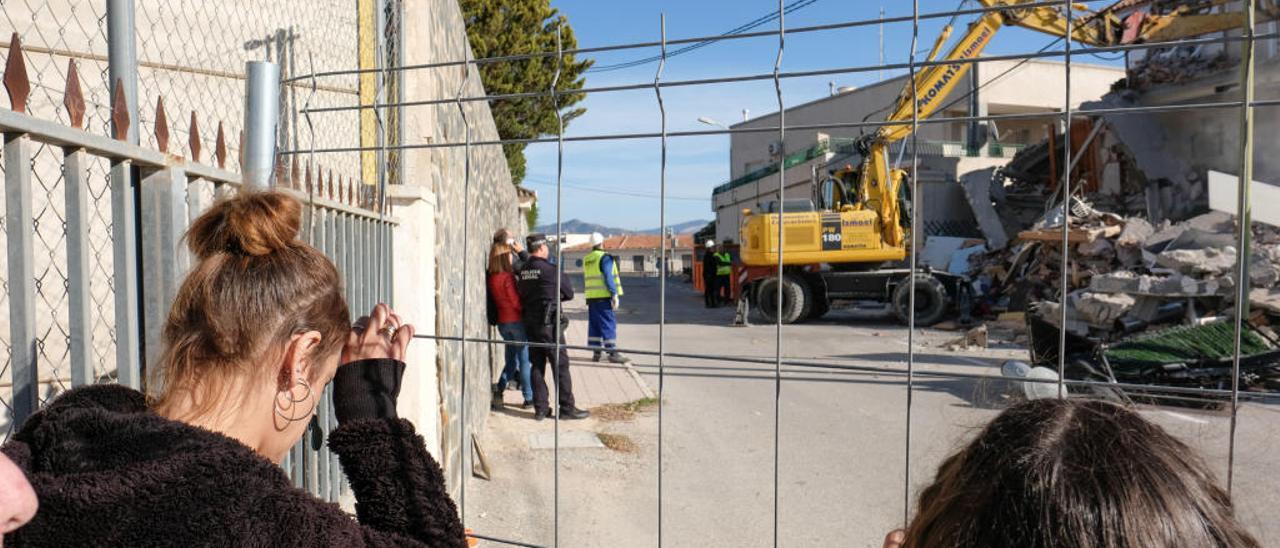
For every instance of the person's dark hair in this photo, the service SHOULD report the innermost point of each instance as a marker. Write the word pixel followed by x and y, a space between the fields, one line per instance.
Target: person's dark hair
pixel 1072 474
pixel 535 242
pixel 253 286
pixel 501 236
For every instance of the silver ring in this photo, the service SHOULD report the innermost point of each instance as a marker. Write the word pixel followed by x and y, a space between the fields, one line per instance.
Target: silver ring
pixel 390 330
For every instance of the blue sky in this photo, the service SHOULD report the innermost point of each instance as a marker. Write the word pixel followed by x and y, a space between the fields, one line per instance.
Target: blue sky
pixel 695 165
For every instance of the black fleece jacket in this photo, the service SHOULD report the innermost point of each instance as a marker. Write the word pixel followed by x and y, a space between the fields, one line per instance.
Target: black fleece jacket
pixel 108 472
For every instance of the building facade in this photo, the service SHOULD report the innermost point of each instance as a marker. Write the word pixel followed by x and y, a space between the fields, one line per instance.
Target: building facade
pixel 638 254
pixel 948 150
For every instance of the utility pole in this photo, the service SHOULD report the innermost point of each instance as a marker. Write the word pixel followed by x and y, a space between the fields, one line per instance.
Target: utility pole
pixel 881 43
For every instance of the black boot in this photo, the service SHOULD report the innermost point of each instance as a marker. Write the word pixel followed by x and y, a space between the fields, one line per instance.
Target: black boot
pixel 496 402
pixel 574 414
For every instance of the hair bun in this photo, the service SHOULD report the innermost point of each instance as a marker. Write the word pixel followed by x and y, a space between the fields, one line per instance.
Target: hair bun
pixel 250 223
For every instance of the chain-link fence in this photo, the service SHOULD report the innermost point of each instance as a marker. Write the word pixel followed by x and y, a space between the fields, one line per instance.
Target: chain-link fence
pixel 847 423
pixel 191 56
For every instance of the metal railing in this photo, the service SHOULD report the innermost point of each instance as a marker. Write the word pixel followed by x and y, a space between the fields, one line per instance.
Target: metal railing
pixel 153 195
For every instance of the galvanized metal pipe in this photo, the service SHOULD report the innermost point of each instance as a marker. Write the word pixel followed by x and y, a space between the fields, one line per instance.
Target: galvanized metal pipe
pixel 19 227
pixel 122 59
pixel 79 296
pixel 261 123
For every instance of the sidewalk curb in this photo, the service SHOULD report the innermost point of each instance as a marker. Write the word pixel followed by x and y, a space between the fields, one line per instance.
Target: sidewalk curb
pixel 635 376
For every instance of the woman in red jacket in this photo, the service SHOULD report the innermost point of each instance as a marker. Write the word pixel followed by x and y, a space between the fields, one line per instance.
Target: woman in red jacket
pixel 502 291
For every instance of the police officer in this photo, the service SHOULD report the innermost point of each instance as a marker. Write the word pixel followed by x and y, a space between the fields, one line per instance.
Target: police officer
pixel 604 286
pixel 536 284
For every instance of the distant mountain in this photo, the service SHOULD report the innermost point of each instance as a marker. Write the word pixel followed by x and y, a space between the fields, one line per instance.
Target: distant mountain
pixel 578 226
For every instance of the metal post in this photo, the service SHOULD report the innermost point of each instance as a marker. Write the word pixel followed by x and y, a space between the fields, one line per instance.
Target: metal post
pixel 122 58
pixel 164 214
pixel 261 120
pixel 22 282
pixel 79 308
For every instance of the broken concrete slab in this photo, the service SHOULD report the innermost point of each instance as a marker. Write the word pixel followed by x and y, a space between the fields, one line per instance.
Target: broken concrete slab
pixel 938 250
pixel 1208 261
pixel 1158 286
pixel 1264 275
pixel 977 190
pixel 1265 299
pixel 1052 312
pixel 1102 309
pixel 1135 233
pixel 961 259
pixel 1146 308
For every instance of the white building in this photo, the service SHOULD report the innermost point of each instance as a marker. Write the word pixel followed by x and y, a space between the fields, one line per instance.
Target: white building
pixel 638 254
pixel 1033 88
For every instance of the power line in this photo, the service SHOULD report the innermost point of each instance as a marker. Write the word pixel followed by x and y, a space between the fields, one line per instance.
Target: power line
pixel 794 6
pixel 616 192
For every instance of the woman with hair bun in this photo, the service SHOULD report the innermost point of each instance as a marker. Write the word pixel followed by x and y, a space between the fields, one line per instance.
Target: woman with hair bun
pixel 257 331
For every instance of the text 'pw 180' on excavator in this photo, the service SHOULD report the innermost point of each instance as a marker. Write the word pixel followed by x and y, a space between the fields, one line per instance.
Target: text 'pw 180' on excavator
pixel 852 243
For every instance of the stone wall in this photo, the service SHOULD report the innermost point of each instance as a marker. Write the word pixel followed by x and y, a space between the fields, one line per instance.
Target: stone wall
pixel 477 206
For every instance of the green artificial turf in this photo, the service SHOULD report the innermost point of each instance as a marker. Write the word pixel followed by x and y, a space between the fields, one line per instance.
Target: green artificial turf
pixel 1187 344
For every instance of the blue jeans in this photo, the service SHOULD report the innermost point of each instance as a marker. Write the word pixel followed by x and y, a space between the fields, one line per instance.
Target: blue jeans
pixel 517 358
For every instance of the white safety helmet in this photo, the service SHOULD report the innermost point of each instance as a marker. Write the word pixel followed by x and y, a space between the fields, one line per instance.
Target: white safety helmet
pixel 596 239
pixel 711 243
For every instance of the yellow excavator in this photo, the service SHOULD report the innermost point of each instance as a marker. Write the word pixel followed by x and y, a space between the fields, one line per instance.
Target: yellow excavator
pixel 844 250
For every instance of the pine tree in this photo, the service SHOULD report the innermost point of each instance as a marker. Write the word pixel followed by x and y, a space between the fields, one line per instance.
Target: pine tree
pixel 499 28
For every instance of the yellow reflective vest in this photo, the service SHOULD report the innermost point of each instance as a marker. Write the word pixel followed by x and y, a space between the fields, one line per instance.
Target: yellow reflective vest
pixel 594 275
pixel 724 264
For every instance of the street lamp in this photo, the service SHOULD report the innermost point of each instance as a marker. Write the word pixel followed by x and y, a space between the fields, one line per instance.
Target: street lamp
pixel 711 122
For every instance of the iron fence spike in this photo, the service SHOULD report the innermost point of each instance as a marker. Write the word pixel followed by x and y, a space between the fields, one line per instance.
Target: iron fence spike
pixel 193 138
pixel 119 113
pixel 220 148
pixel 162 126
pixel 15 76
pixel 73 96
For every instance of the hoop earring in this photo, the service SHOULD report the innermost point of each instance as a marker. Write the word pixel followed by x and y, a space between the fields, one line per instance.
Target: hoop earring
pixel 293 403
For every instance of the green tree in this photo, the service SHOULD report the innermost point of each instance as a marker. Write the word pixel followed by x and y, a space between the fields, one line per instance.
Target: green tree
pixel 498 28
pixel 531 218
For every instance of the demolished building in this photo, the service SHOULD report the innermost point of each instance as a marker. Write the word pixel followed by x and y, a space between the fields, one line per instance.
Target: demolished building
pixel 1152 244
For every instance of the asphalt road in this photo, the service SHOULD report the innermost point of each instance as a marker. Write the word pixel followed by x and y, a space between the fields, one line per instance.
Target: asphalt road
pixel 844 473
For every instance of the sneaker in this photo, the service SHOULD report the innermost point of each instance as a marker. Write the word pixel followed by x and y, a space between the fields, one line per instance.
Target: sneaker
pixel 539 415
pixel 574 414
pixel 618 358
pixel 527 404
pixel 595 356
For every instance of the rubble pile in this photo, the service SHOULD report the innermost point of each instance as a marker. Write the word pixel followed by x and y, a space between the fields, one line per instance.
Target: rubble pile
pixel 1125 276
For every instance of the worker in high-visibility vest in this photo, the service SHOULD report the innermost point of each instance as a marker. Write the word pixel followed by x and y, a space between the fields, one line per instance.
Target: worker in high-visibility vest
pixel 710 290
pixel 604 286
pixel 724 270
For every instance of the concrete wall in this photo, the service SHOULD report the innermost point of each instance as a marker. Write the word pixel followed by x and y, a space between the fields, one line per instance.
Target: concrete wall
pixel 435 210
